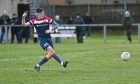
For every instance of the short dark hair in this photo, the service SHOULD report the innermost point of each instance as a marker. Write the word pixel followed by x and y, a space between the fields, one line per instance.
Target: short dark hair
pixel 39 10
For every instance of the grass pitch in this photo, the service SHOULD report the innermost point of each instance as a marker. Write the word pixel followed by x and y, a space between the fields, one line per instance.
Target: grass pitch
pixel 92 62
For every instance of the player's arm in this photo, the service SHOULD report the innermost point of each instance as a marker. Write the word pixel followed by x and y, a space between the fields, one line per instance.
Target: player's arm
pixel 24 23
pixel 54 27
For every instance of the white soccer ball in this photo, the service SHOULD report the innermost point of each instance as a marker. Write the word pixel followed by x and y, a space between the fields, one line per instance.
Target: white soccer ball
pixel 125 56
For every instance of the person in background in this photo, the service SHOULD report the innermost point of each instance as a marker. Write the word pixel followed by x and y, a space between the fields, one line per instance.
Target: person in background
pixel 5 20
pixel 127 24
pixel 0 23
pixel 79 29
pixel 58 21
pixel 87 20
pixel 14 29
pixel 70 21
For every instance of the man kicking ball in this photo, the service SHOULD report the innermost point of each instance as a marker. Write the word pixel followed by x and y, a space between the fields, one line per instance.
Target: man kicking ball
pixel 42 24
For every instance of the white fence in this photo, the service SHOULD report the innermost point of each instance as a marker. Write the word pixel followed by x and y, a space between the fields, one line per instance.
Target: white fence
pixel 67 30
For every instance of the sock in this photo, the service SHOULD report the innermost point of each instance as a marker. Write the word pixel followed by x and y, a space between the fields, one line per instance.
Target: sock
pixel 44 60
pixel 62 63
pixel 57 59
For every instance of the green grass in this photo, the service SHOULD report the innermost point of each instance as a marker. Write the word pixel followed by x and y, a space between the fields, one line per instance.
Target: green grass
pixel 93 62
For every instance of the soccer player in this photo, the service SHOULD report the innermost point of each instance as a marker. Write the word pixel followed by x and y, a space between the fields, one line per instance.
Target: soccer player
pixel 42 23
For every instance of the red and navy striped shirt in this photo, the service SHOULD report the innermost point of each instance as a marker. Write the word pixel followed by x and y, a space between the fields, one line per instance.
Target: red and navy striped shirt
pixel 42 25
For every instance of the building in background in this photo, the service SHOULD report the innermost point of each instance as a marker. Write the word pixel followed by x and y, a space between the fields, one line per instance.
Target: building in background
pixel 64 8
pixel 81 2
pixel 11 6
pixel 17 6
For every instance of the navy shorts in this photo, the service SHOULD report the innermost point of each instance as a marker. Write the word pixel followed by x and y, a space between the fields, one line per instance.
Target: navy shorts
pixel 45 42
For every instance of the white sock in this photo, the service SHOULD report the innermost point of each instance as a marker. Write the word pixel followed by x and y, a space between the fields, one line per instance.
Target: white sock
pixel 62 63
pixel 37 65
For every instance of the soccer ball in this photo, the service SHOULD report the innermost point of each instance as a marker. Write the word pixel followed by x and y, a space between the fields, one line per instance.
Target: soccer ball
pixel 125 56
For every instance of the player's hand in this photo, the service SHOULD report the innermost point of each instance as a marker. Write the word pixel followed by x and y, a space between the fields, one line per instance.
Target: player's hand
pixel 48 31
pixel 24 14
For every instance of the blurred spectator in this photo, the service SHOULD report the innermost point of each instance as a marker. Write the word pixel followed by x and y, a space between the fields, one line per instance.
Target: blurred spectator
pixel 79 29
pixel 70 21
pixel 5 20
pixel 87 20
pixel 58 21
pixel 127 24
pixel 14 29
pixel 24 33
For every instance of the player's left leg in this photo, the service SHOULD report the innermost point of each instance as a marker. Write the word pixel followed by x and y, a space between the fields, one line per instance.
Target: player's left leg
pixel 55 56
pixel 51 53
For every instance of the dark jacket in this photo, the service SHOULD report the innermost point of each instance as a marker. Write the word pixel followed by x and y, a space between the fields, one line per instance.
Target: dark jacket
pixel 79 21
pixel 127 23
pixel 15 21
pixel 5 20
pixel 88 20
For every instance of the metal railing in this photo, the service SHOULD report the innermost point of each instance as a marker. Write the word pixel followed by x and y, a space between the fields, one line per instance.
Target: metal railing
pixel 105 26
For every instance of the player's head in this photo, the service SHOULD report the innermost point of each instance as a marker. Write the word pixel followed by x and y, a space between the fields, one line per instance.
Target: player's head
pixel 40 13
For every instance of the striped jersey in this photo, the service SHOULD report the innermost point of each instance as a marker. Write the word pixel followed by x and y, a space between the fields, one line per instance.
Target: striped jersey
pixel 42 25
